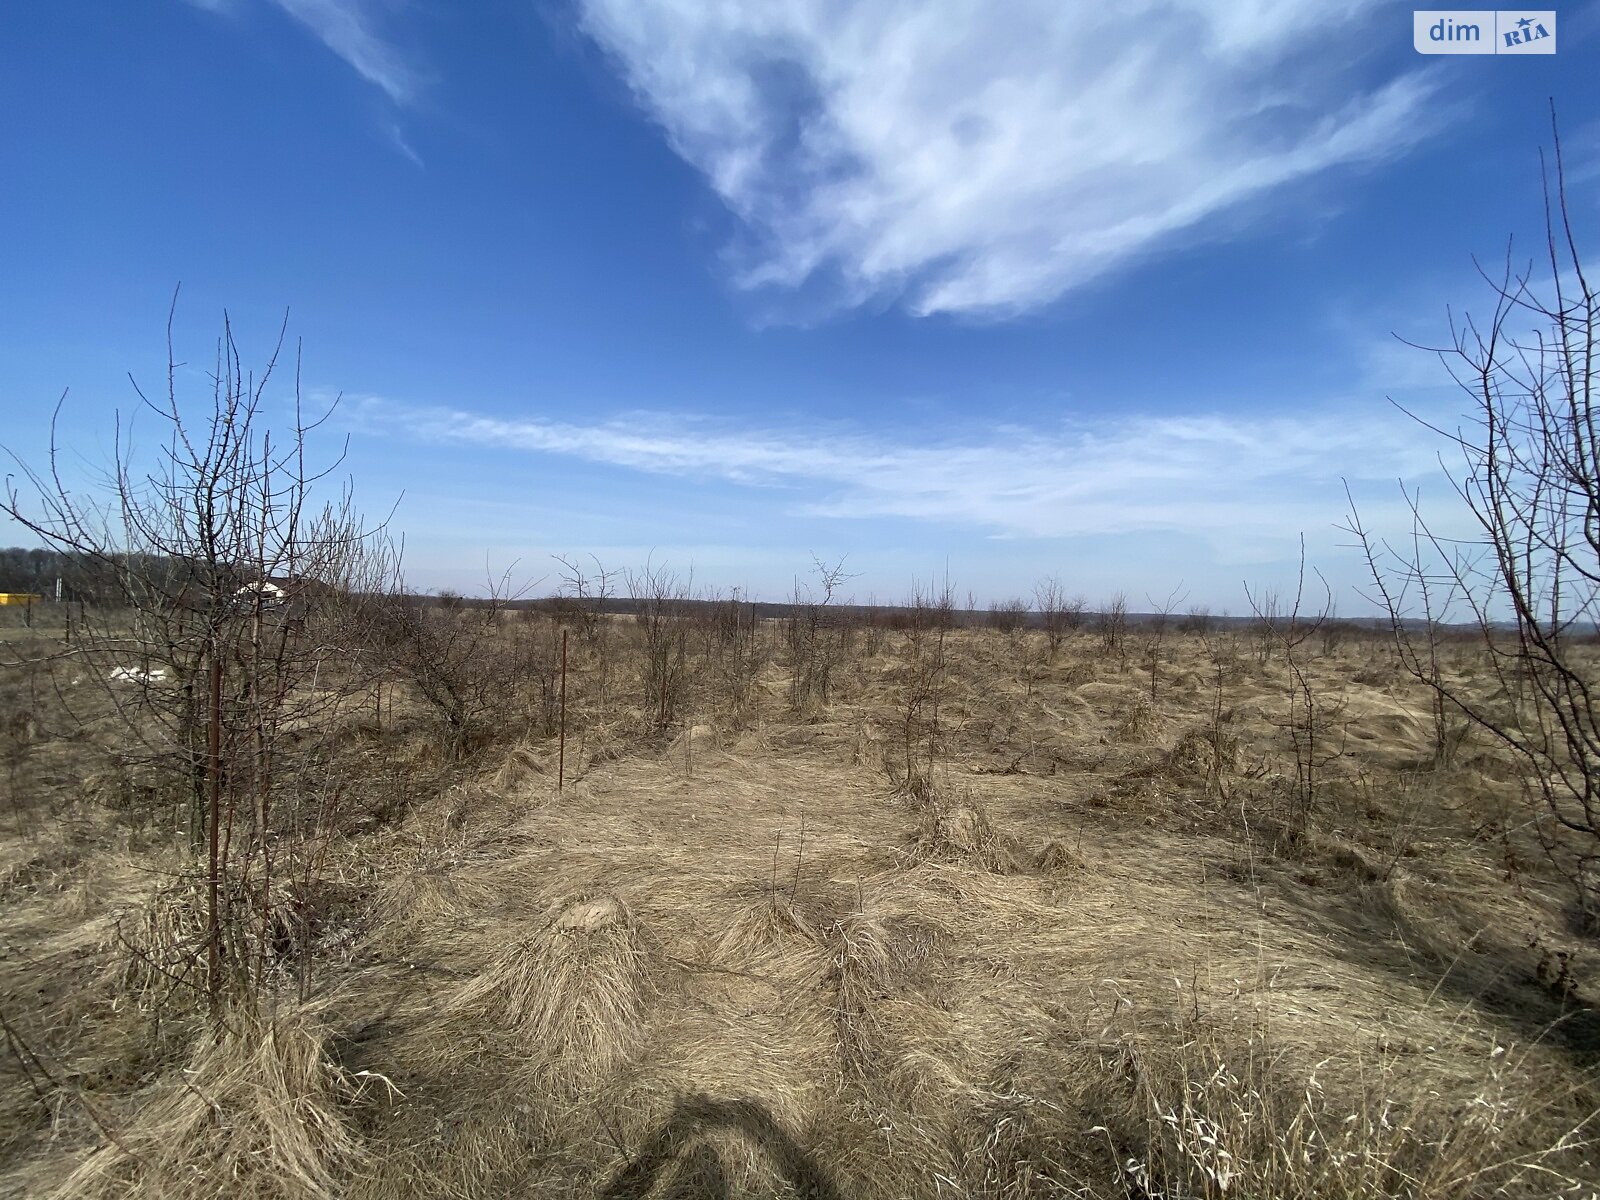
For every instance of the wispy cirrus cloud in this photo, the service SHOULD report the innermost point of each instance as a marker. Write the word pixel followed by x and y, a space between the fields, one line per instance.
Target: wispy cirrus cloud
pixel 352 29
pixel 355 30
pixel 969 159
pixel 1218 477
pixel 397 138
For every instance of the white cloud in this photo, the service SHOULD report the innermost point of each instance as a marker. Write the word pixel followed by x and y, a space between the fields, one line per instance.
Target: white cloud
pixel 1230 480
pixel 350 28
pixel 973 158
pixel 397 139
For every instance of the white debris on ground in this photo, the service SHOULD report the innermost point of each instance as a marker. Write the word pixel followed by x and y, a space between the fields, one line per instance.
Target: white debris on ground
pixel 136 675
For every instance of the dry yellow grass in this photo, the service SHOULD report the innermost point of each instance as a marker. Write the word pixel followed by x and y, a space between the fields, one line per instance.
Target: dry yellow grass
pixel 741 962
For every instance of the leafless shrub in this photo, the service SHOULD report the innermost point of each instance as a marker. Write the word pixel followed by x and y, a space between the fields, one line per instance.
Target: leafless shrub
pixel 1529 581
pixel 1009 617
pixel 874 628
pixel 454 656
pixel 1055 616
pixel 588 592
pixel 817 634
pixel 1312 715
pixel 591 592
pixel 930 618
pixel 533 656
pixel 1073 609
pixel 1267 606
pixel 1333 633
pixel 733 653
pixel 663 616
pixel 231 578
pixel 1160 620
pixel 1112 625
pixel 1222 757
pixel 1197 621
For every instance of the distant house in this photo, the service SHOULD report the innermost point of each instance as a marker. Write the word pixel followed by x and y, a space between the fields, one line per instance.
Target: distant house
pixel 282 594
pixel 264 592
pixel 20 598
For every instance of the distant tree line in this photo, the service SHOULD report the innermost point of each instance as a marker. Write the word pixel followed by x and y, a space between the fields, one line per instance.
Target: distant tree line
pixel 37 569
pixel 98 579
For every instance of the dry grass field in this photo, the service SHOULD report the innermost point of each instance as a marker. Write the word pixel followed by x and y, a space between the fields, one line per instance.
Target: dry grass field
pixel 964 919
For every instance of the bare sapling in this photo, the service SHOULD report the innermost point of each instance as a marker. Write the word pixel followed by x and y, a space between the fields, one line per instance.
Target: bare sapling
pixel 454 655
pixel 1158 624
pixel 817 634
pixel 1311 714
pixel 533 649
pixel 1048 602
pixel 874 628
pixel 1223 658
pixel 591 592
pixel 1112 625
pixel 1197 621
pixel 930 620
pixel 233 575
pixel 1527 576
pixel 734 654
pixel 661 611
pixel 1009 617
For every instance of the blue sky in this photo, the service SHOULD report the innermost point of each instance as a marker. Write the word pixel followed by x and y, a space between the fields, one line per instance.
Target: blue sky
pixel 1004 291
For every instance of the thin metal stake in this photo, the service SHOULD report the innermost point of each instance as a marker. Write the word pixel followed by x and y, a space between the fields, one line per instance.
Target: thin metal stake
pixel 561 760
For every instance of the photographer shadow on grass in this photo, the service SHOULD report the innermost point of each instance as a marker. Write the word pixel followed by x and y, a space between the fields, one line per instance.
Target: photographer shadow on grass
pixel 695 1166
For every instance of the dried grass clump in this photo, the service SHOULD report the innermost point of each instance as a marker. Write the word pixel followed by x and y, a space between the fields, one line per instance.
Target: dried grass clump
pixel 1443 922
pixel 131 788
pixel 1139 724
pixel 484 1152
pixel 963 833
pixel 256 1113
pixel 83 895
pixel 1017 1141
pixel 159 948
pixel 918 787
pixel 963 829
pixel 866 744
pixel 1203 754
pixel 522 767
pixel 572 995
pixel 1056 857
pixel 417 751
pixel 1237 1126
pixel 1348 858
pixel 418 903
pixel 693 740
pixel 19 725
pixel 467 822
pixel 48 872
pixel 701 1145
pixel 1110 696
pixel 1078 674
pixel 862 970
pixel 767 932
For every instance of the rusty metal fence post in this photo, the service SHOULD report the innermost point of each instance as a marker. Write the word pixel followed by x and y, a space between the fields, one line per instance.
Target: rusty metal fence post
pixel 561 760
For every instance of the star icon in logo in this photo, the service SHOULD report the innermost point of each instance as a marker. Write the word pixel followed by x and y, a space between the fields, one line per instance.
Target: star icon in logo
pixel 1525 22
